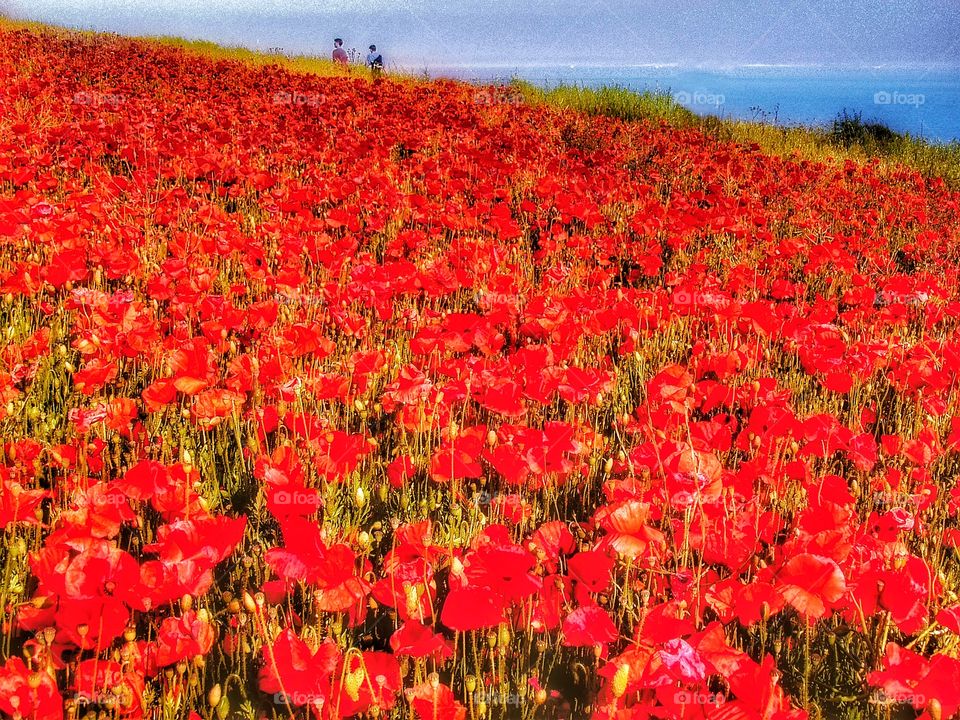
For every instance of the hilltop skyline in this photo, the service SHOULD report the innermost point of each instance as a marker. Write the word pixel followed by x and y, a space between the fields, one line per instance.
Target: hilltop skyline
pixel 555 32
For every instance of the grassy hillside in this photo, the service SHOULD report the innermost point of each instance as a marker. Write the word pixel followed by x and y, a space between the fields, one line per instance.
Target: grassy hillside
pixel 850 138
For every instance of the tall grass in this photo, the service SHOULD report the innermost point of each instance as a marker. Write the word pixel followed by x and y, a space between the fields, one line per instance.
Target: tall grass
pixel 848 138
pixel 212 50
pixel 609 101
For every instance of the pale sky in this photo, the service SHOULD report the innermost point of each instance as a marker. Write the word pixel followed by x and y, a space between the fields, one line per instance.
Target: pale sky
pixel 722 33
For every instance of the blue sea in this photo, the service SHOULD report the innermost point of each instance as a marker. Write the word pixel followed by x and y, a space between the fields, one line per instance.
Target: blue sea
pixel 920 101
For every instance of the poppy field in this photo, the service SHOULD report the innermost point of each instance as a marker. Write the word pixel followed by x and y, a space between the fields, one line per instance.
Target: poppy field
pixel 323 398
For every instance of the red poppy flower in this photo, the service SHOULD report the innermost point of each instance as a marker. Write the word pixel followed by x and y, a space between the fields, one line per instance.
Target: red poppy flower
pixel 28 694
pixel 418 640
pixel 472 608
pixel 435 701
pixel 811 584
pixel 588 626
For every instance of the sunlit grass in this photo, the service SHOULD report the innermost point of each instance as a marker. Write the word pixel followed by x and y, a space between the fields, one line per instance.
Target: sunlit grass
pixel 296 63
pixel 610 102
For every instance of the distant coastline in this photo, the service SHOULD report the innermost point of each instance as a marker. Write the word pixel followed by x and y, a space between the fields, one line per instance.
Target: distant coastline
pixel 920 102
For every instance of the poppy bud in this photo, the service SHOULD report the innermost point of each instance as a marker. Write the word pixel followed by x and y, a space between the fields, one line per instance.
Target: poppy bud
pixel 481 708
pixel 18 548
pixel 608 465
pixel 361 497
pixel 935 709
pixel 491 438
pixel 504 638
pixel 223 708
pixel 249 605
pixel 352 683
pixel 186 602
pixel 620 680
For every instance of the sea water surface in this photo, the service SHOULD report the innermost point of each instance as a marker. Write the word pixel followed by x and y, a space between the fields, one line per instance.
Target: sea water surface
pixel 923 102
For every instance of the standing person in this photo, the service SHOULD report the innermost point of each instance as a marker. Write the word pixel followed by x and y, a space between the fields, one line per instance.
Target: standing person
pixel 375 62
pixel 339 54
